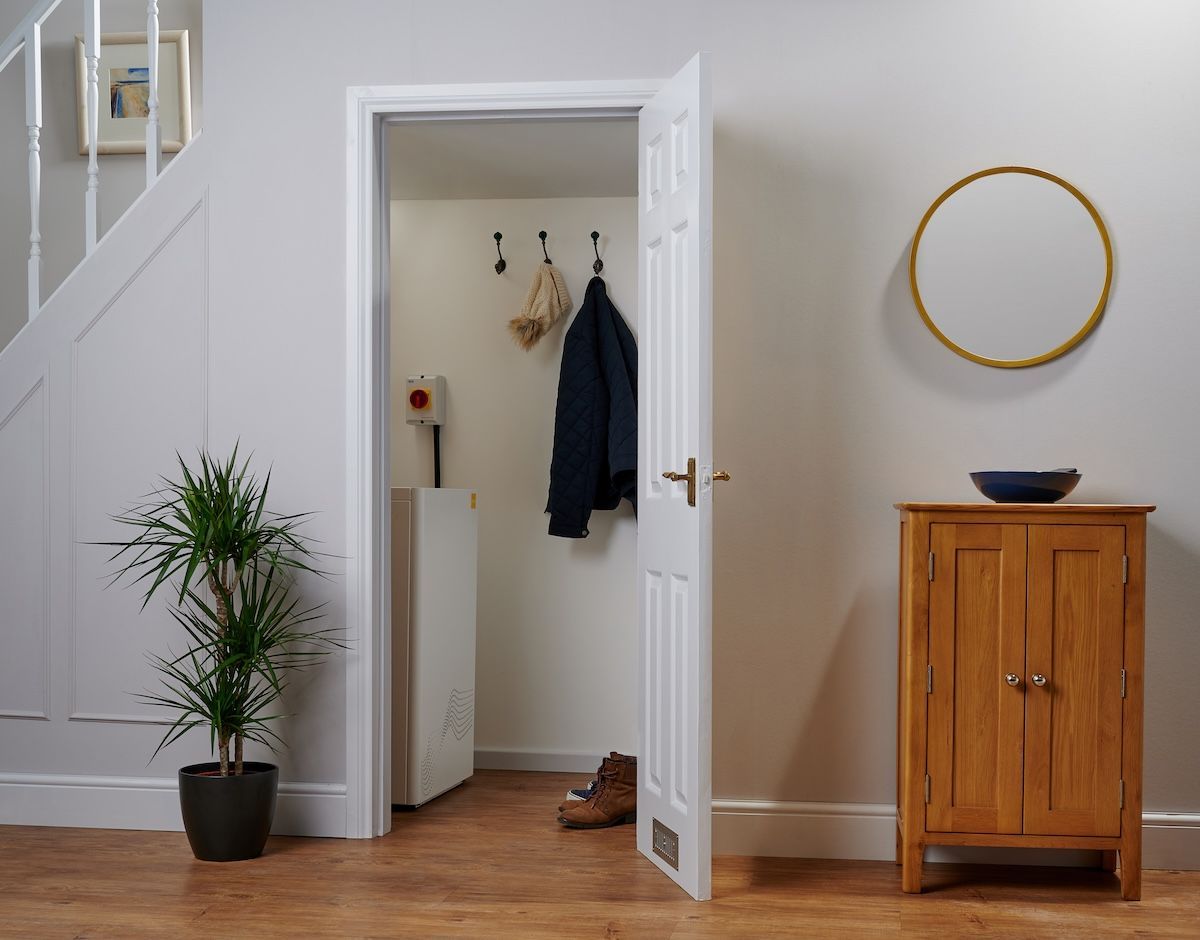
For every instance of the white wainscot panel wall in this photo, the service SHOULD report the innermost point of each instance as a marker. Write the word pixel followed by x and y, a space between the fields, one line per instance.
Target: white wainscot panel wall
pixel 24 558
pixel 138 396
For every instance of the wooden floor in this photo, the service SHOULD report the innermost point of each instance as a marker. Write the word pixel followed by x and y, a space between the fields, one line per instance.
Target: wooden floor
pixel 488 860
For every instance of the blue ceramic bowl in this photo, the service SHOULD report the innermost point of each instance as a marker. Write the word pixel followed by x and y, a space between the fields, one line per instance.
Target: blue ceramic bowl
pixel 1025 486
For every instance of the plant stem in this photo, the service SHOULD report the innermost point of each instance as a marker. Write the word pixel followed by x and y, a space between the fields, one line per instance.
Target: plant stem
pixel 219 594
pixel 237 754
pixel 224 752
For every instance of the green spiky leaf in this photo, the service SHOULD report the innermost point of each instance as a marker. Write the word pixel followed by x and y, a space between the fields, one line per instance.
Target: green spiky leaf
pixel 231 564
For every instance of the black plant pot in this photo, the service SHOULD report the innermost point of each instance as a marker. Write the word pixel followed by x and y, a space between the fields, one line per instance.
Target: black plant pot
pixel 227 819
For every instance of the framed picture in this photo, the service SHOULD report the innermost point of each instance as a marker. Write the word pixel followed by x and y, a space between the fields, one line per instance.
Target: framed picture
pixel 125 91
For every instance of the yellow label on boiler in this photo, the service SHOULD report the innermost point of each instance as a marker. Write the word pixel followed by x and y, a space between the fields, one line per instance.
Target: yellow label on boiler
pixel 472 500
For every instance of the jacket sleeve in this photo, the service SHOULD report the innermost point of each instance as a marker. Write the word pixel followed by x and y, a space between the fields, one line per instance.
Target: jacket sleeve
pixel 619 362
pixel 580 425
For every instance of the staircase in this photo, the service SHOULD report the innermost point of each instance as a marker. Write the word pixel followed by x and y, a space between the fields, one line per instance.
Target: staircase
pixel 107 378
pixel 24 43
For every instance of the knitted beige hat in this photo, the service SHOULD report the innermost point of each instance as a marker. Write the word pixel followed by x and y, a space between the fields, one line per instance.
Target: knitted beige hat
pixel 546 302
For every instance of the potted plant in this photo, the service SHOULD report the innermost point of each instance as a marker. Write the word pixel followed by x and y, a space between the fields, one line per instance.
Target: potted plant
pixel 228 562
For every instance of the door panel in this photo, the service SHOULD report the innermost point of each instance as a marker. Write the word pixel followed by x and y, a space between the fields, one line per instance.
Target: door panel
pixel 976 637
pixel 674 828
pixel 1073 722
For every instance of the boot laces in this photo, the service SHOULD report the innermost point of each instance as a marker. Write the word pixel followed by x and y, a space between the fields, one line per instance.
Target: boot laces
pixel 606 774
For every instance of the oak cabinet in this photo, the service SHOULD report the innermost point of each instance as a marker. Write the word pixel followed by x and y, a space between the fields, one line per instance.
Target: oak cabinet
pixel 1021 648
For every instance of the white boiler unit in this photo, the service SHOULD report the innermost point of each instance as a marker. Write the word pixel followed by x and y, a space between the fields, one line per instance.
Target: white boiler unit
pixel 435 548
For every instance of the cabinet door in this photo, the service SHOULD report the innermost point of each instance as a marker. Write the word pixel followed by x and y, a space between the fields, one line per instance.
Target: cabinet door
pixel 1074 639
pixel 976 638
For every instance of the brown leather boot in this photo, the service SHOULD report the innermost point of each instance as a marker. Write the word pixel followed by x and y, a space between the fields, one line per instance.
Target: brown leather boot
pixel 613 803
pixel 612 756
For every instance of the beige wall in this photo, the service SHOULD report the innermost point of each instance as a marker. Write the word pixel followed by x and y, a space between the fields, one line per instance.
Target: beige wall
pixel 836 124
pixel 64 172
pixel 557 643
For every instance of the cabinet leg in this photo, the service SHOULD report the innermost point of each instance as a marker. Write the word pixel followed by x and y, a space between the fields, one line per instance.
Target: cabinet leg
pixel 1131 871
pixel 899 846
pixel 914 860
pixel 1108 860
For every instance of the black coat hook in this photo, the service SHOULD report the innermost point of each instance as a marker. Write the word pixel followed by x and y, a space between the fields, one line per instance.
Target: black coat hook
pixel 597 265
pixel 542 236
pixel 501 264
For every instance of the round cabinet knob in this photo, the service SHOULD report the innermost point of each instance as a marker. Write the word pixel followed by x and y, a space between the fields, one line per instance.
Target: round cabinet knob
pixel 1038 679
pixel 1012 679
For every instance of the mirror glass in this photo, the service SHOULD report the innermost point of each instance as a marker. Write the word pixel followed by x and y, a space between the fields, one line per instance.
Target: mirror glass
pixel 1011 267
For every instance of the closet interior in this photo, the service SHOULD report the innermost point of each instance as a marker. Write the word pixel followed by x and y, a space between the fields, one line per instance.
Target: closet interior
pixel 476 209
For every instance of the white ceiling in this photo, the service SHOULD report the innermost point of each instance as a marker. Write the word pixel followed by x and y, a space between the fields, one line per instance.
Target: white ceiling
pixel 492 159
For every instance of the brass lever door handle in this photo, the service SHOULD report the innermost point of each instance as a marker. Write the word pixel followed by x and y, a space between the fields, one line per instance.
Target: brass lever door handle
pixel 689 477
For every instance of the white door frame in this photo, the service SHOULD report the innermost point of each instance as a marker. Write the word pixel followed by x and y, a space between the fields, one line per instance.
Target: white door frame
pixel 368 587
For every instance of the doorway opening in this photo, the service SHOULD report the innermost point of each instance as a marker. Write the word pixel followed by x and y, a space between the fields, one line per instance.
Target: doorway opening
pixel 674 441
pixel 555 646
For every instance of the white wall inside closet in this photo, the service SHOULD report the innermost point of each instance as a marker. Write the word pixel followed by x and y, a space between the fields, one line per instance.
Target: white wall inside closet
pixel 556 680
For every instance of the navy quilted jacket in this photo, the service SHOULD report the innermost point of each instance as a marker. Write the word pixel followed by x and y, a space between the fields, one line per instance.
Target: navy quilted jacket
pixel 595 424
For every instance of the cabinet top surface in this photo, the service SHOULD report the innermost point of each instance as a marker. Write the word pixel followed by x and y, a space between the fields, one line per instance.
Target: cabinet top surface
pixel 1057 508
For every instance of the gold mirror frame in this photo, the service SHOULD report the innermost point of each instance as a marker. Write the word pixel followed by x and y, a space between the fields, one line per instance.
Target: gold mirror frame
pixel 1058 350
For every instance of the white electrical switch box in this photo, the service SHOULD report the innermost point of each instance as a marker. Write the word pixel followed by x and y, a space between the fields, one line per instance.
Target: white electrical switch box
pixel 425 399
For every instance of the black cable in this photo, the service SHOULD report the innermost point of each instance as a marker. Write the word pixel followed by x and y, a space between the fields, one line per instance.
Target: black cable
pixel 437 455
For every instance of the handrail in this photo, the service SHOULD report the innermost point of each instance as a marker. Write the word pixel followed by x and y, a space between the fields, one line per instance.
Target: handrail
pixel 28 37
pixel 16 39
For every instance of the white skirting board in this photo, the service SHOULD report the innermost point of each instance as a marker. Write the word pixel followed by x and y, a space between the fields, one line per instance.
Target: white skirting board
pixel 94 802
pixel 568 762
pixel 740 827
pixel 868 831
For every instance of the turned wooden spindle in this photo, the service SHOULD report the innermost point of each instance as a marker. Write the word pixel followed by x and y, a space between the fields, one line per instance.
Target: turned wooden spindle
pixel 91 54
pixel 153 128
pixel 33 123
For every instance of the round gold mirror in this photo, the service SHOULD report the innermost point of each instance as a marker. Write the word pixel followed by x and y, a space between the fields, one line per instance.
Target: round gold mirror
pixel 1011 267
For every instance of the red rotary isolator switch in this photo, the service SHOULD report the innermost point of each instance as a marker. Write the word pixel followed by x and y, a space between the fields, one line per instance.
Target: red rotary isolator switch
pixel 425 399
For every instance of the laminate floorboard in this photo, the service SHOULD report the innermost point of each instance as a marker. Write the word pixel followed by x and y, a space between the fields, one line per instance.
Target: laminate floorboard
pixel 488 860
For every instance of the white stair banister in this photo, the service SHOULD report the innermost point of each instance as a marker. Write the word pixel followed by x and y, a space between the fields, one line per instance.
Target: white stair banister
pixel 33 123
pixel 91 53
pixel 26 39
pixel 153 128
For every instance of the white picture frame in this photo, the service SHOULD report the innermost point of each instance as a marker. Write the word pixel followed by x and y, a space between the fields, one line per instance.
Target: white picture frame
pixel 121 51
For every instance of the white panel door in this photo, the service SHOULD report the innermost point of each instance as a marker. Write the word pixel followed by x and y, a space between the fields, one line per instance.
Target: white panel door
pixel 674 828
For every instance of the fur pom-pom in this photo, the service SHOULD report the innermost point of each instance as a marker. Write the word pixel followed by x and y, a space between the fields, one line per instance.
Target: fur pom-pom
pixel 525 331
